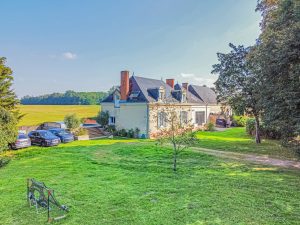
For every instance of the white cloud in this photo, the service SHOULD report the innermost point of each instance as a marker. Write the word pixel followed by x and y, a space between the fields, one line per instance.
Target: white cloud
pixel 69 55
pixel 198 80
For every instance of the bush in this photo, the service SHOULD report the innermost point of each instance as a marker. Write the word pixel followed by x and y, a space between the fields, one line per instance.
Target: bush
pixel 111 129
pixel 72 121
pixel 4 161
pixel 250 126
pixel 137 132
pixel 80 131
pixel 209 127
pixel 130 133
pixel 122 133
pixel 8 128
pixel 103 118
pixel 239 121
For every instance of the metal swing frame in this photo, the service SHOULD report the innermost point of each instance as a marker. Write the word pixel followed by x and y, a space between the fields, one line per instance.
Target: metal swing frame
pixel 43 199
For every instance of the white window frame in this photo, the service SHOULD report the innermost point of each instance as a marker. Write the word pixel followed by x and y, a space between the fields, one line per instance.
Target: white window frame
pixel 112 120
pixel 161 119
pixel 183 121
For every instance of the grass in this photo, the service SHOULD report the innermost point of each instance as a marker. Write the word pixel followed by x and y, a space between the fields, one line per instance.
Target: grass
pixel 37 114
pixel 236 140
pixel 131 182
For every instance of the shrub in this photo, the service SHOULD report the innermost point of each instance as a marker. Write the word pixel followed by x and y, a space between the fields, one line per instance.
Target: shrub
pixel 72 121
pixel 239 121
pixel 80 131
pixel 103 118
pixel 111 129
pixel 8 128
pixel 4 161
pixel 137 132
pixel 209 127
pixel 250 126
pixel 122 133
pixel 130 133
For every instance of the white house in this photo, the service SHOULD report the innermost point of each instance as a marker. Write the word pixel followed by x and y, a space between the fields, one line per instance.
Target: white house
pixel 132 105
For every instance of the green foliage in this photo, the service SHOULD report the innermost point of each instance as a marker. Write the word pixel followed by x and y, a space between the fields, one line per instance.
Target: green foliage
pixel 250 126
pixel 122 133
pixel 238 85
pixel 209 127
pixel 8 98
pixel 72 121
pixel 8 128
pixel 4 161
pixel 239 121
pixel 137 132
pixel 130 133
pixel 111 129
pixel 276 58
pixel 67 98
pixel 103 118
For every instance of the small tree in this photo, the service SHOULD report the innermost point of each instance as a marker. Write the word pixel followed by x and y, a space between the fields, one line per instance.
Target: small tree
pixel 176 132
pixel 72 121
pixel 8 128
pixel 103 118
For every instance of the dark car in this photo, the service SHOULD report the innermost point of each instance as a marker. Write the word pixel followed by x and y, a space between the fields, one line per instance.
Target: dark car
pixel 221 122
pixel 43 138
pixel 23 141
pixel 64 135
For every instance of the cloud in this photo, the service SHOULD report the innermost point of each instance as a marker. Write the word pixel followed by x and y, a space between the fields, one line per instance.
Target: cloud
pixel 69 55
pixel 198 80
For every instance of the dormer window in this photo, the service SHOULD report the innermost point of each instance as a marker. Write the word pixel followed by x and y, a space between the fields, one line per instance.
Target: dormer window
pixel 183 96
pixel 161 94
pixel 117 100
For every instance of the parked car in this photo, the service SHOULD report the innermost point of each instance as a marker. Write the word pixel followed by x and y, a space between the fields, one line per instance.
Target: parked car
pixel 23 141
pixel 221 122
pixel 52 125
pixel 63 134
pixel 43 138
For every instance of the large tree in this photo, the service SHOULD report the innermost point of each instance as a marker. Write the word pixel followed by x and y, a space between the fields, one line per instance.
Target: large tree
pixel 8 99
pixel 276 59
pixel 8 102
pixel 237 85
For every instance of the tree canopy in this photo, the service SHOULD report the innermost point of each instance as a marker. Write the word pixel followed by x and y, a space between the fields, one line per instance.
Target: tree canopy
pixel 67 98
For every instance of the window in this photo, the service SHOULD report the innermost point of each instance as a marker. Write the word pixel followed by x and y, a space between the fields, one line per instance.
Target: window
pixel 161 119
pixel 117 100
pixel 112 120
pixel 161 93
pixel 183 99
pixel 183 117
pixel 200 117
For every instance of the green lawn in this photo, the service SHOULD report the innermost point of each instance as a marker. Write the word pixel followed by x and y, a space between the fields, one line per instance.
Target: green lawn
pixel 236 140
pixel 131 182
pixel 37 114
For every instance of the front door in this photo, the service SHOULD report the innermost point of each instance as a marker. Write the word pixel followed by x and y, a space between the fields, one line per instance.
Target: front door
pixel 200 117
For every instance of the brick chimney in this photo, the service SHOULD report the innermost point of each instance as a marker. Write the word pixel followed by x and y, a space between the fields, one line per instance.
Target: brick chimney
pixel 124 88
pixel 185 85
pixel 170 82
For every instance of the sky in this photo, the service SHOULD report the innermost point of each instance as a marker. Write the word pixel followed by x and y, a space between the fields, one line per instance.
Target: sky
pixel 59 45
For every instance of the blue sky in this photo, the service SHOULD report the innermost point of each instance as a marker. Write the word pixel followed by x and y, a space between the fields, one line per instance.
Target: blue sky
pixel 59 45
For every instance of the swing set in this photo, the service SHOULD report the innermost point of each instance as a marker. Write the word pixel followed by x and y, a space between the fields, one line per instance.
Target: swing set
pixel 42 197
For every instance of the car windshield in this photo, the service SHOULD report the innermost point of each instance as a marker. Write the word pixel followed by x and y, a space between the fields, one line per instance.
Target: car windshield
pixel 63 132
pixel 47 134
pixel 22 136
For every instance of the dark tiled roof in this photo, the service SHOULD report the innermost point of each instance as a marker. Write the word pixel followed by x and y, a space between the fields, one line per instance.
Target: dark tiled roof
pixel 148 90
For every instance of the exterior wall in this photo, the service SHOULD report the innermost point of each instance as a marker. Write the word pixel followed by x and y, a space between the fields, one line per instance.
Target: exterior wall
pixel 129 116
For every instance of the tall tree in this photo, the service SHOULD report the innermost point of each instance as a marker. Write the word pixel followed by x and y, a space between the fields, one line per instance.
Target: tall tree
pixel 8 99
pixel 276 59
pixel 237 85
pixel 8 102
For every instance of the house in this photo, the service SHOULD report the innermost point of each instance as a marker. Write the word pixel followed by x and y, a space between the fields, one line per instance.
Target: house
pixel 132 104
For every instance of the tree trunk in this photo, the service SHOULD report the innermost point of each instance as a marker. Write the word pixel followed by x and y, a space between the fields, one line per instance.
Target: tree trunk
pixel 175 161
pixel 257 133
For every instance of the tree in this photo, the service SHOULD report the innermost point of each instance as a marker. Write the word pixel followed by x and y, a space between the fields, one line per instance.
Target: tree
pixel 237 85
pixel 72 121
pixel 8 99
pixel 8 128
pixel 276 59
pixel 103 118
pixel 176 131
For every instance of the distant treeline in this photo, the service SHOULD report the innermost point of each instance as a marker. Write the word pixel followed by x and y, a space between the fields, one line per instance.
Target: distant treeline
pixel 67 98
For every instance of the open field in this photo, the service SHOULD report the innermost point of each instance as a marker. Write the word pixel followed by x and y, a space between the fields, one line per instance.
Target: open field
pixel 37 114
pixel 131 182
pixel 236 140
